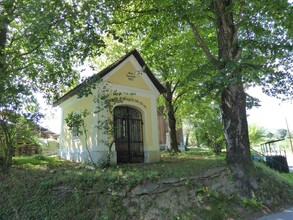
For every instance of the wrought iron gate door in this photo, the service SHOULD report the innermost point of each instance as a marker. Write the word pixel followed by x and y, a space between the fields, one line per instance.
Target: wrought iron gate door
pixel 128 135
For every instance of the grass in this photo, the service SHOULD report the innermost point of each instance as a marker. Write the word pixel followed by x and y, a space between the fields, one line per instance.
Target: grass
pixel 41 187
pixel 36 160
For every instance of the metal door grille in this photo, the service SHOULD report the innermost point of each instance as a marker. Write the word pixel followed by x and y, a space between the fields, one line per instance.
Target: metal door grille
pixel 128 135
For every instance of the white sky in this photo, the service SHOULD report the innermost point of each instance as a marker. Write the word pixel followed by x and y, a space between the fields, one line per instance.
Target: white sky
pixel 271 115
pixel 52 119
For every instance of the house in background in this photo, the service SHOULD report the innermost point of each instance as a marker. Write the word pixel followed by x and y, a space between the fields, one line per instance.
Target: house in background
pixel 46 133
pixel 48 141
pixel 135 119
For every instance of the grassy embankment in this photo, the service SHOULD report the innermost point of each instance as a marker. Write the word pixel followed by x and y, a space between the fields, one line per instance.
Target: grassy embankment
pixel 48 188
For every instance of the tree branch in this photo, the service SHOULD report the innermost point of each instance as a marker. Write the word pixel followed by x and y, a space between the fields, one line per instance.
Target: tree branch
pixel 42 39
pixel 179 95
pixel 175 87
pixel 175 109
pixel 23 67
pixel 202 44
pixel 240 15
pixel 162 112
pixel 32 50
pixel 152 10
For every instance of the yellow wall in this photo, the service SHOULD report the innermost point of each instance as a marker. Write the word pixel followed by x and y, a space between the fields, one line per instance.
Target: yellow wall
pixel 128 76
pixel 138 102
pixel 78 106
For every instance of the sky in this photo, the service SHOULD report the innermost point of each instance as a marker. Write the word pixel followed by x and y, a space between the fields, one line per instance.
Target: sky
pixel 271 115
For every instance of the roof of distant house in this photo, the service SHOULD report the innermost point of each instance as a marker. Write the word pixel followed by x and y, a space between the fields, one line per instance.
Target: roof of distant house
pixel 44 131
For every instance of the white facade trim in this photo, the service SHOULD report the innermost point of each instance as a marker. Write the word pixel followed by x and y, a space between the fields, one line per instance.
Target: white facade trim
pixel 61 129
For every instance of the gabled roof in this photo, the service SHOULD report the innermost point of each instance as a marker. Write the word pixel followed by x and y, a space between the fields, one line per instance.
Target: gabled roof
pixel 108 69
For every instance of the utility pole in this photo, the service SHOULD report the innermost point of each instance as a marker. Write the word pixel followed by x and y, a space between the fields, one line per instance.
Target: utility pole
pixel 289 135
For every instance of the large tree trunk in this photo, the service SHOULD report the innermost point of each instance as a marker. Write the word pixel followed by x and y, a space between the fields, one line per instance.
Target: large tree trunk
pixel 238 154
pixel 235 125
pixel 3 38
pixel 171 118
pixel 6 144
pixel 233 101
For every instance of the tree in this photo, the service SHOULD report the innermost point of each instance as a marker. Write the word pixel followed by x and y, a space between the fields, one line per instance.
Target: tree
pixel 14 126
pixel 281 133
pixel 42 41
pixel 245 43
pixel 40 44
pixel 165 59
pixel 256 134
pixel 210 131
pixel 203 115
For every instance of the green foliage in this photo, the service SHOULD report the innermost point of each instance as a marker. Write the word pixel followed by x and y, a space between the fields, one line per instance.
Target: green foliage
pixel 281 133
pixel 210 133
pixel 243 51
pixel 42 41
pixel 257 134
pixel 166 59
pixel 205 123
pixel 15 126
pixel 262 31
pixel 252 203
pixel 40 44
pixel 76 122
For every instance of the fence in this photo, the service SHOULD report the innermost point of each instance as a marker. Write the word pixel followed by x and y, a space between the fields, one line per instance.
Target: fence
pixel 26 149
pixel 276 162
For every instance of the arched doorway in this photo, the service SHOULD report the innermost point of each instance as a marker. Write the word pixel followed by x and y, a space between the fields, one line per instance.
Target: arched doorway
pixel 128 135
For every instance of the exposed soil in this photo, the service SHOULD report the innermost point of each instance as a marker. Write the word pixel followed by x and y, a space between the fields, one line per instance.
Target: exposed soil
pixel 197 197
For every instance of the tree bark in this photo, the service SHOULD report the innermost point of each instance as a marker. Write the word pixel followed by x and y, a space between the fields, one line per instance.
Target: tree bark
pixel 238 155
pixel 233 101
pixel 235 125
pixel 171 118
pixel 3 38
